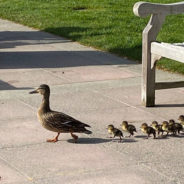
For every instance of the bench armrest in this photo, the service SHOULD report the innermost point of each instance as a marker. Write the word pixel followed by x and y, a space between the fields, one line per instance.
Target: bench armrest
pixel 143 9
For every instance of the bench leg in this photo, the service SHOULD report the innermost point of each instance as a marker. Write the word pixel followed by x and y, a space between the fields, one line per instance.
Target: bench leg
pixel 148 83
pixel 148 62
pixel 148 79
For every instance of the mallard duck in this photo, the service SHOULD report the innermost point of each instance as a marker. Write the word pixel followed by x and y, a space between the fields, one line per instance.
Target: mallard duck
pixel 176 126
pixel 57 121
pixel 148 130
pixel 168 127
pixel 115 132
pixel 181 120
pixel 128 128
pixel 157 127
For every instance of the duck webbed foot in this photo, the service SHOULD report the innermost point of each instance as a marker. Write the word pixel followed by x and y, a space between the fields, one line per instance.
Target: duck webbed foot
pixel 120 139
pixel 75 137
pixel 53 140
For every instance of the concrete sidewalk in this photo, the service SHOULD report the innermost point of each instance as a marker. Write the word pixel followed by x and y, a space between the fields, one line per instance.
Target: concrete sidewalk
pixel 95 87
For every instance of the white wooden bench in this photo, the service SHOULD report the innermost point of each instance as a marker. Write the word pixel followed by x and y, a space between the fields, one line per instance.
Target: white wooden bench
pixel 152 50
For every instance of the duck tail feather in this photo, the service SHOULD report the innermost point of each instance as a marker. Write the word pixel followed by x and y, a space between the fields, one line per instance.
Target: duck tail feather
pixel 88 132
pixel 86 125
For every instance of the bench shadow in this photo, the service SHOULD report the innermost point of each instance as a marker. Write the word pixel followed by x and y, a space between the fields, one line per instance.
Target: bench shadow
pixel 169 105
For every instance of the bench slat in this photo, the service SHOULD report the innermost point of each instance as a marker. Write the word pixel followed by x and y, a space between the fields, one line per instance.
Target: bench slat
pixel 171 51
pixel 167 85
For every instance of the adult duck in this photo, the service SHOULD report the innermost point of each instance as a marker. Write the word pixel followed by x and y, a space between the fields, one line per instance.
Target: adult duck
pixel 57 121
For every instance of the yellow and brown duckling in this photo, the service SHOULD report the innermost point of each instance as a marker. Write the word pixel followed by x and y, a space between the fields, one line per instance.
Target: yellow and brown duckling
pixel 148 130
pixel 176 126
pixel 157 127
pixel 181 120
pixel 128 128
pixel 115 132
pixel 168 127
pixel 57 121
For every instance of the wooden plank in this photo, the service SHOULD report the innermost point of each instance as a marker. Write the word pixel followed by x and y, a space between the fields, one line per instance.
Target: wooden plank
pixel 148 71
pixel 167 85
pixel 143 9
pixel 168 50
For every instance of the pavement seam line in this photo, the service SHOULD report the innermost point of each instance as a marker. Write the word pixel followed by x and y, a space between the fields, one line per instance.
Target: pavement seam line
pixel 14 168
pixel 138 108
pixel 59 77
pixel 30 106
pixel 114 99
pixel 144 165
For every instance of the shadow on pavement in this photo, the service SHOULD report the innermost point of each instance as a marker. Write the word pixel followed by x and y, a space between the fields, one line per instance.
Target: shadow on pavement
pixel 48 59
pixel 170 105
pixel 141 136
pixel 56 59
pixel 100 140
pixel 8 86
pixel 41 58
pixel 12 39
pixel 90 140
pixel 125 140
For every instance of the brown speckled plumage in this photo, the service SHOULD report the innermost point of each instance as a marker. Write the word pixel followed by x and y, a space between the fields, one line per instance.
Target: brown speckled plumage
pixel 57 121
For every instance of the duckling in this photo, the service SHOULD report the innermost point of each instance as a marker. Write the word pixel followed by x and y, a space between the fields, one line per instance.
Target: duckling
pixel 57 121
pixel 157 127
pixel 148 130
pixel 128 128
pixel 169 128
pixel 115 132
pixel 176 126
pixel 181 120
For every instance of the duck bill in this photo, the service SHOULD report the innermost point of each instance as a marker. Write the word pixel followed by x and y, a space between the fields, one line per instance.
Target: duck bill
pixel 33 92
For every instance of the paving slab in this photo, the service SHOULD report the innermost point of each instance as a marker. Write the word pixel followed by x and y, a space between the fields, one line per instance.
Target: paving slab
pixel 9 174
pixel 12 109
pixel 95 87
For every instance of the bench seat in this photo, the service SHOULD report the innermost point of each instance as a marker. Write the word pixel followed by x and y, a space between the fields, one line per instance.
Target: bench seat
pixel 171 51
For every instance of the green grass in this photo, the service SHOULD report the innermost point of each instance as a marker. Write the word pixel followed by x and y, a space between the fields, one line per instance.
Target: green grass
pixel 108 25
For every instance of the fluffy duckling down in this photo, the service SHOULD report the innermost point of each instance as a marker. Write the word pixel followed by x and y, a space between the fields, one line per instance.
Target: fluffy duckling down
pixel 181 120
pixel 148 130
pixel 168 127
pixel 176 126
pixel 115 132
pixel 128 128
pixel 157 127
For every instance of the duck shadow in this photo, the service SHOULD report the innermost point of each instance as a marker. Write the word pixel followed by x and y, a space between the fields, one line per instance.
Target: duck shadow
pixel 144 137
pixel 181 135
pixel 100 140
pixel 125 140
pixel 141 136
pixel 90 140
